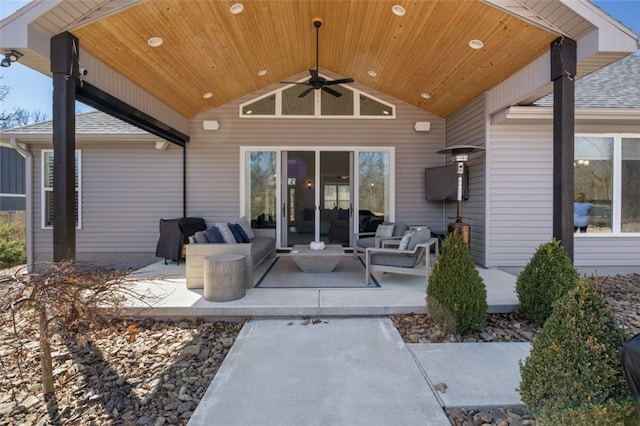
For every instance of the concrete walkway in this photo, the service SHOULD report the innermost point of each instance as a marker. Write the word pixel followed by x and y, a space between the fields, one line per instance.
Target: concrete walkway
pixel 352 371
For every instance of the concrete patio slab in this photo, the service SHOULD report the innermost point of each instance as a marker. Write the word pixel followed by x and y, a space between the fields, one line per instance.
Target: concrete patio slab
pixel 338 371
pixel 476 374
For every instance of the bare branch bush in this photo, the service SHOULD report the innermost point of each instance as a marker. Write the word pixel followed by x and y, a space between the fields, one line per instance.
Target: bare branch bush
pixel 69 297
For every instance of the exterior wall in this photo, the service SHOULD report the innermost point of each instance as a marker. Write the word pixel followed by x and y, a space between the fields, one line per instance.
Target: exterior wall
pixel 468 127
pixel 213 157
pixel 12 178
pixel 127 187
pixel 520 204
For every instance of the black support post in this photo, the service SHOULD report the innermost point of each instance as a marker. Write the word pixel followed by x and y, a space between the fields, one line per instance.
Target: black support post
pixel 563 71
pixel 64 66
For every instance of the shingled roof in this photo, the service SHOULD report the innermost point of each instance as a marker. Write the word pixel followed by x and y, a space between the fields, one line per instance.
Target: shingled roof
pixel 90 123
pixel 614 86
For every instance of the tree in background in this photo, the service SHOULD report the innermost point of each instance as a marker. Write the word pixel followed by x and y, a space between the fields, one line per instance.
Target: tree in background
pixel 19 116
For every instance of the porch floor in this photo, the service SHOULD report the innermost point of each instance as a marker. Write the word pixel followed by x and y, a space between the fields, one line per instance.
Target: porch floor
pixel 167 296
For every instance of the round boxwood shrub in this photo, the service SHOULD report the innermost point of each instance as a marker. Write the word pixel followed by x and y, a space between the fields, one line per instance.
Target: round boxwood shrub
pixel 573 374
pixel 548 276
pixel 456 294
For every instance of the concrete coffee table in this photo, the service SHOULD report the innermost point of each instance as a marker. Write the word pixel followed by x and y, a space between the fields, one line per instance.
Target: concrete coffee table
pixel 317 260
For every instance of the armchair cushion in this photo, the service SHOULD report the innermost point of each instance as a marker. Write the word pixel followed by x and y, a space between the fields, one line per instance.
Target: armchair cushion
pixel 385 230
pixel 399 229
pixel 404 242
pixel 393 259
pixel 419 237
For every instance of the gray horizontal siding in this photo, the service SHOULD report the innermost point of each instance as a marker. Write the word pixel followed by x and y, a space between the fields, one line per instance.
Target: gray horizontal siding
pixel 520 205
pixel 127 187
pixel 213 156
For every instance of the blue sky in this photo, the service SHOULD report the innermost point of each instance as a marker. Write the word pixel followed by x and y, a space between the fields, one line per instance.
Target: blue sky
pixel 32 91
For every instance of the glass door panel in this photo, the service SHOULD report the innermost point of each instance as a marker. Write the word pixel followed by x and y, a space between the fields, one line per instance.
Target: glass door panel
pixel 374 185
pixel 260 188
pixel 336 197
pixel 299 190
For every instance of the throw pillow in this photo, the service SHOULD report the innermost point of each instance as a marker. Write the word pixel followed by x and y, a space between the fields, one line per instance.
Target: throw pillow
pixel 227 235
pixel 246 227
pixel 234 230
pixel 213 235
pixel 384 230
pixel 243 235
pixel 404 242
pixel 200 237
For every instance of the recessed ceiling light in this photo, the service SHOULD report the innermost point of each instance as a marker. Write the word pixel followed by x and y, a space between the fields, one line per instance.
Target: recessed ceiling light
pixel 372 73
pixel 155 41
pixel 207 95
pixel 262 72
pixel 425 95
pixel 398 10
pixel 236 8
pixel 476 44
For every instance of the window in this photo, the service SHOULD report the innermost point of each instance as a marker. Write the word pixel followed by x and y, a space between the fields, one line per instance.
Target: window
pixel 606 172
pixel 286 102
pixel 47 188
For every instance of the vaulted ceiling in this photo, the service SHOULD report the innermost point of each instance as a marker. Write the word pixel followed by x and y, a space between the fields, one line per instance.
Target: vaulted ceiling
pixel 207 49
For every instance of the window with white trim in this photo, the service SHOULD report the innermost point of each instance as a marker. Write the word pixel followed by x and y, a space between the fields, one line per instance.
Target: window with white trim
pixel 606 176
pixel 47 188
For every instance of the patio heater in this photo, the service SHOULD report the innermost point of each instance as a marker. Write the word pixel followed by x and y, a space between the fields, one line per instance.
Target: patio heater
pixel 460 154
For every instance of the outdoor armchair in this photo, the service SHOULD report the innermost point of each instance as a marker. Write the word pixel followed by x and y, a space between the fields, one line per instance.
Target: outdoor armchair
pixel 365 240
pixel 414 260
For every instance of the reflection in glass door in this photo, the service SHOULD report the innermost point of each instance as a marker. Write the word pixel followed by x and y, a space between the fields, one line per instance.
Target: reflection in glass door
pixel 317 197
pixel 374 189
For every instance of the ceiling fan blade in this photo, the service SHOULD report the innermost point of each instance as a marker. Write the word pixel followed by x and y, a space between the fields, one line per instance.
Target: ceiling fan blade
pixel 305 93
pixel 331 91
pixel 340 81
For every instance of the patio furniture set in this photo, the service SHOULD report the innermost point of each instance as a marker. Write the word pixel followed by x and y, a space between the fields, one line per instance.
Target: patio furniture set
pixel 221 258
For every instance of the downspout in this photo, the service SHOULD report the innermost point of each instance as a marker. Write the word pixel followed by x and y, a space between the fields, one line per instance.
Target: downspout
pixel 28 156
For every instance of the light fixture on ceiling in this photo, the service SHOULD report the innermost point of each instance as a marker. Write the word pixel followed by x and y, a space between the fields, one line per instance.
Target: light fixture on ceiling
pixel 155 41
pixel 398 10
pixel 476 44
pixel 236 8
pixel 207 95
pixel 425 95
pixel 372 73
pixel 10 56
pixel 262 73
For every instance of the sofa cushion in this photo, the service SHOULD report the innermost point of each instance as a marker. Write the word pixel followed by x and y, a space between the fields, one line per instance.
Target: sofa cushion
pixel 244 223
pixel 226 232
pixel 261 247
pixel 200 237
pixel 214 235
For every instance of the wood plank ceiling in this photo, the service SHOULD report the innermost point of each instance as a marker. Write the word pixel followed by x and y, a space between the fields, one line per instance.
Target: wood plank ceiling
pixel 208 49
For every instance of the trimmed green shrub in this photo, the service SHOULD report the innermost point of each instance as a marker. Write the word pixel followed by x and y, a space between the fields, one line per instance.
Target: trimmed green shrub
pixel 548 276
pixel 456 294
pixel 573 375
pixel 12 251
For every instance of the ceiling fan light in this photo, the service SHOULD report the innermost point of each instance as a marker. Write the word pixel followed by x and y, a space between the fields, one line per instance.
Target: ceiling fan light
pixel 236 8
pixel 398 10
pixel 5 62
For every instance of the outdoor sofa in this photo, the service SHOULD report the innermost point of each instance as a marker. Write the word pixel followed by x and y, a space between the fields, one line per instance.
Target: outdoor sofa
pixel 257 245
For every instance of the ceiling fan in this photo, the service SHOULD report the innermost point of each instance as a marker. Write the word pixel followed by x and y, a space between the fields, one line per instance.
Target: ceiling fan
pixel 316 82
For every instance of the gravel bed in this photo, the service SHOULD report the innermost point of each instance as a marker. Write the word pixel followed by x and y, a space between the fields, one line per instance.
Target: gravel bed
pixel 154 372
